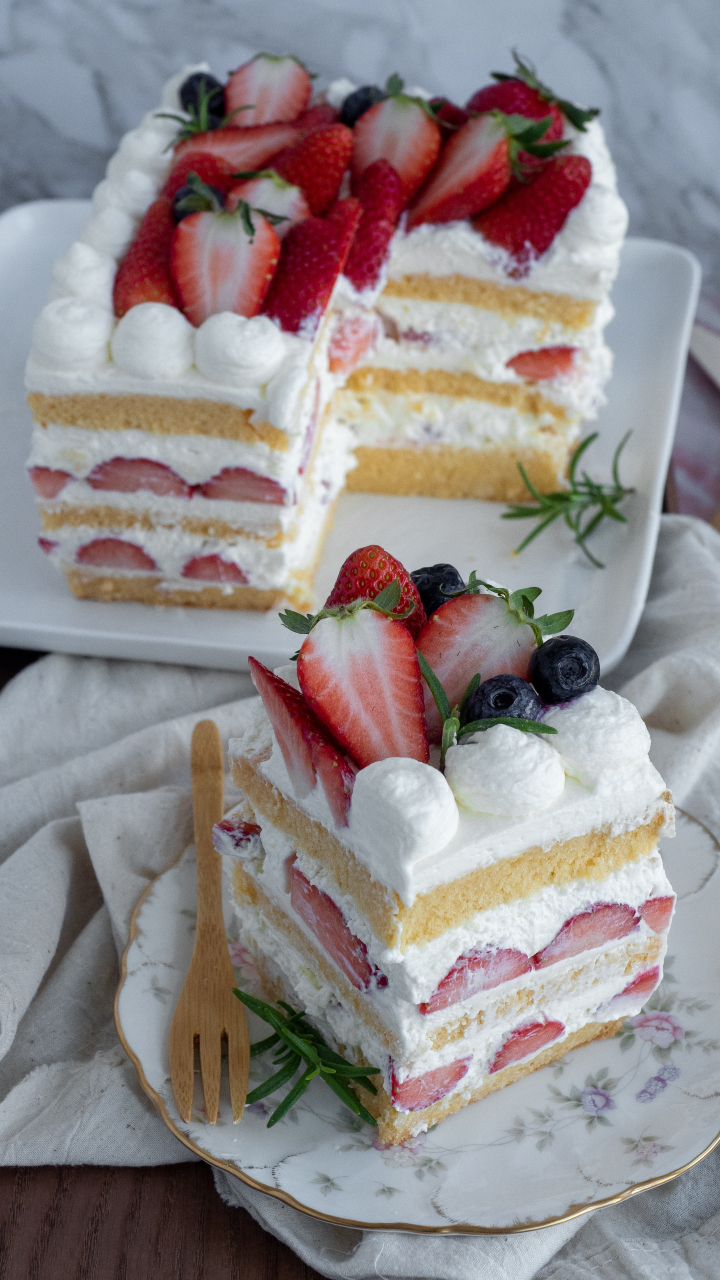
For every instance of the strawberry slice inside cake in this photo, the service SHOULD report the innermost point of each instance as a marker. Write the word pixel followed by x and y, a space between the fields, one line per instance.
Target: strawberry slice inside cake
pixel 459 899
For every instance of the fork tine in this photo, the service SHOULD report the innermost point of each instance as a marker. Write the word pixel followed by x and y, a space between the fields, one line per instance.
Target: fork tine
pixel 210 1064
pixel 182 1064
pixel 238 1059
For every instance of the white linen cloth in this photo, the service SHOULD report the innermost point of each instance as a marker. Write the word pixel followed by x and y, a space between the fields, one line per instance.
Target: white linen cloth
pixel 94 802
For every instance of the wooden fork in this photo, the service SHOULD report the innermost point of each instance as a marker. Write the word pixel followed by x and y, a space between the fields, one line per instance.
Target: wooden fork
pixel 207 1010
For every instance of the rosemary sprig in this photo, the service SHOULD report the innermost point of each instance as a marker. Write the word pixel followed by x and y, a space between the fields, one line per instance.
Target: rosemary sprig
pixel 575 503
pixel 296 1042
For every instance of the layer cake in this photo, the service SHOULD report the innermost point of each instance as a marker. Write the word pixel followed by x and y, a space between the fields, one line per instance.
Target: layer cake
pixel 460 913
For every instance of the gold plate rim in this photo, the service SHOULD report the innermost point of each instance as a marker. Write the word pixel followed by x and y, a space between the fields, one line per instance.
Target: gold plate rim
pixel 457 1229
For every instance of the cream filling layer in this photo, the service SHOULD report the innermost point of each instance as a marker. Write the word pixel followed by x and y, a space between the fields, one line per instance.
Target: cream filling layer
pixel 195 458
pixel 525 925
pixel 383 419
pixel 570 999
pixel 267 568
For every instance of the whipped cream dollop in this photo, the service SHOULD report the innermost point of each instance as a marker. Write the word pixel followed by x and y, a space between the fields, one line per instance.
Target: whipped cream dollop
pixel 148 148
pixel 239 352
pixel 83 272
pixel 72 333
pixel 504 771
pixel 132 191
pixel 153 340
pixel 600 730
pixel 110 231
pixel 401 810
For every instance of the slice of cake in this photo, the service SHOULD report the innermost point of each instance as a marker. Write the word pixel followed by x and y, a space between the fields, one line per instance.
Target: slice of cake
pixel 454 873
pixel 495 295
pixel 179 375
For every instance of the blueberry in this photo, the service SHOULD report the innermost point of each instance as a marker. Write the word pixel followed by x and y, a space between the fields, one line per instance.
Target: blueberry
pixel 564 668
pixel 504 696
pixel 357 103
pixel 192 90
pixel 429 582
pixel 183 206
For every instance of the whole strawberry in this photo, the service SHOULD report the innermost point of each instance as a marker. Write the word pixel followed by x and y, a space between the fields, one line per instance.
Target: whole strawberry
pixel 312 257
pixel 525 221
pixel 144 273
pixel 366 573
pixel 317 163
pixel 209 168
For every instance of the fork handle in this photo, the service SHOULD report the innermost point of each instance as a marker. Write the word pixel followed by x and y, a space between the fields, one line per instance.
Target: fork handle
pixel 207 787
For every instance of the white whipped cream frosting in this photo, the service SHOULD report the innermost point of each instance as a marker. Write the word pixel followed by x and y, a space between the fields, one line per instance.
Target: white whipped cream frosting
pixel 72 332
pixel 401 809
pixel 600 730
pixel 153 340
pixel 614 799
pixel 239 352
pixel 249 363
pixel 504 771
pixel 84 272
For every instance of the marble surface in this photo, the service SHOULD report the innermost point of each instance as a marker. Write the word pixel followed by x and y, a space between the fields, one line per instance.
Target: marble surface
pixel 76 74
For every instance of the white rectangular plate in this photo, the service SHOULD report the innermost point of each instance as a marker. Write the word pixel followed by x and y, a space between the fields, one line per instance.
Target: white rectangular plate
pixel 655 297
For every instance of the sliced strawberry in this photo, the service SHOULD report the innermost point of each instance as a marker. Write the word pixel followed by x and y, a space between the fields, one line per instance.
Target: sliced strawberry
pixel 401 131
pixel 114 553
pixel 525 221
pixel 313 255
pixel 467 635
pixel 656 912
pixel 523 1041
pixel 515 98
pixel 144 273
pixel 547 362
pixel 477 971
pixel 237 484
pixel 272 194
pixel 47 545
pixel 472 173
pixel 380 194
pixel 233 833
pixel 366 573
pixel 274 89
pixel 603 923
pixel 327 922
pixel 241 149
pixel 353 336
pixel 449 114
pixel 316 163
pixel 215 569
pixel 317 116
pixel 130 475
pixel 643 985
pixel 217 266
pixel 360 674
pixel 48 483
pixel 420 1092
pixel 307 748
pixel 211 169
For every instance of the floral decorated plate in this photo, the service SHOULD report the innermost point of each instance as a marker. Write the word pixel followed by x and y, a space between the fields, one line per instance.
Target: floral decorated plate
pixel 603 1123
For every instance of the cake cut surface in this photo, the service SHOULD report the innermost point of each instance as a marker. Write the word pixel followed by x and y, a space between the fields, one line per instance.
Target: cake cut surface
pixel 463 915
pixel 271 303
